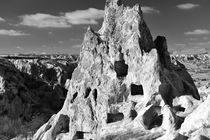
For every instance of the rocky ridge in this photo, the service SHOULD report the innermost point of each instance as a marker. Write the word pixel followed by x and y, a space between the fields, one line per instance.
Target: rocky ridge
pixel 126 86
pixel 31 90
pixel 198 65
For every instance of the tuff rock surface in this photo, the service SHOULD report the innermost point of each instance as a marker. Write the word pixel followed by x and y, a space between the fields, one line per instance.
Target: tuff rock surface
pixel 125 85
pixel 197 123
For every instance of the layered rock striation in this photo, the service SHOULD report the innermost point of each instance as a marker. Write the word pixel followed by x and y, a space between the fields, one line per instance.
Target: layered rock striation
pixel 124 85
pixel 52 71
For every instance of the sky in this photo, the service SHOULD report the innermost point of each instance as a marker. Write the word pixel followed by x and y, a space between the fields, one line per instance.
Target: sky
pixel 58 26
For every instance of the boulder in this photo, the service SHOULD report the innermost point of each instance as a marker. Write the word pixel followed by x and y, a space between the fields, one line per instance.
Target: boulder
pixel 198 121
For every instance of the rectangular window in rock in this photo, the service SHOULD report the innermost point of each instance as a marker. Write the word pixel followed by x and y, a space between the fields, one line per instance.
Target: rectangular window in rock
pixel 121 68
pixel 136 89
pixel 114 117
pixel 79 135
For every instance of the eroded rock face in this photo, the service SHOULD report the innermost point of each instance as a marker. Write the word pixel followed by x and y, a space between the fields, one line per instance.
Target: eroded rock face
pixel 13 91
pixel 51 71
pixel 120 75
pixel 31 89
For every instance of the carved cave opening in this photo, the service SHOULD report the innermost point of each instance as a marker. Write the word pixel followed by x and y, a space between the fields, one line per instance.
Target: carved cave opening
pixel 79 135
pixel 121 68
pixel 179 108
pixel 114 117
pixel 74 97
pixel 136 90
pixel 87 92
pixel 95 94
pixel 133 114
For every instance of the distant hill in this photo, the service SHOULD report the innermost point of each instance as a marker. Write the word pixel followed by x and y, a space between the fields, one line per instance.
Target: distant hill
pixel 192 51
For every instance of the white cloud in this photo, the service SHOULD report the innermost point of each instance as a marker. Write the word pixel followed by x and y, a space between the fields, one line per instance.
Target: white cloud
pixel 205 38
pixel 44 20
pixel 192 39
pixel 77 46
pixel 89 16
pixel 18 47
pixel 12 32
pixel 2 20
pixel 149 10
pixel 50 33
pixel 198 32
pixel 65 20
pixel 187 6
pixel 60 42
pixel 44 46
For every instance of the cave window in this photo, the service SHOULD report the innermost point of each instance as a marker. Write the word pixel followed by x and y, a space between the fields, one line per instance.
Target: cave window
pixel 136 90
pixel 95 94
pixel 74 97
pixel 79 135
pixel 121 68
pixel 179 108
pixel 114 117
pixel 133 114
pixel 87 92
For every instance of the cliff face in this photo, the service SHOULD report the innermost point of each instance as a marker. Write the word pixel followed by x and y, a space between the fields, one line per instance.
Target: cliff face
pixel 31 89
pixel 51 71
pixel 124 84
pixel 11 82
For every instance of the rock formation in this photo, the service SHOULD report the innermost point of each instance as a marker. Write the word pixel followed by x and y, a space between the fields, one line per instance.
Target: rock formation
pixel 31 88
pixel 49 70
pixel 124 85
pixel 195 124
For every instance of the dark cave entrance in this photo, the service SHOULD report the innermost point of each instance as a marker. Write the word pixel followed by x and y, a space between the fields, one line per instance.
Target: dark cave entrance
pixel 121 68
pixel 136 90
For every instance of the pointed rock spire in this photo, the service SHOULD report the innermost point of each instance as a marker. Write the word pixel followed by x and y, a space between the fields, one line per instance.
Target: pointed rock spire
pixel 121 68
